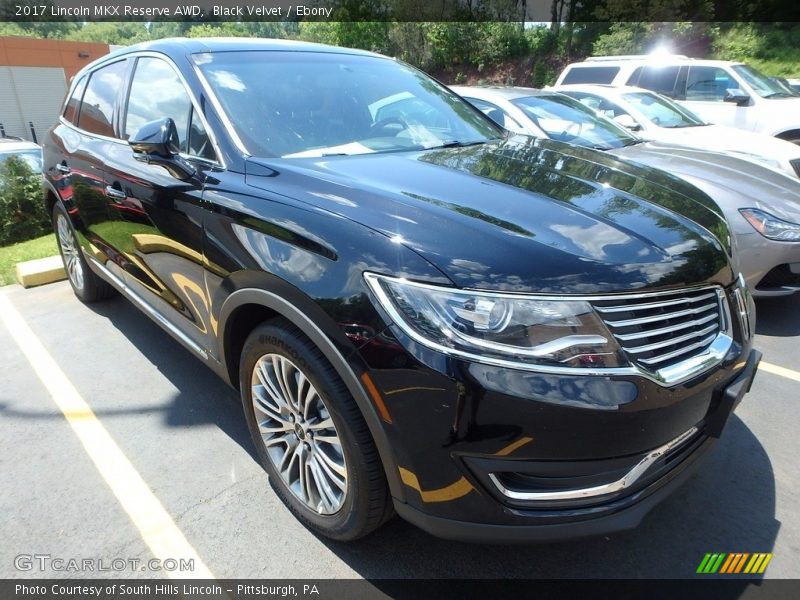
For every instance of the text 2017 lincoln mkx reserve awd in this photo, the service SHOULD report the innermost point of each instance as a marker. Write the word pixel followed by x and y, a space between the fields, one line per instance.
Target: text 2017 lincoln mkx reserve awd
pixel 496 336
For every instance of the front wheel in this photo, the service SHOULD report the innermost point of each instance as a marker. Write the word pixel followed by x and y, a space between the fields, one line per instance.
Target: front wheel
pixel 310 435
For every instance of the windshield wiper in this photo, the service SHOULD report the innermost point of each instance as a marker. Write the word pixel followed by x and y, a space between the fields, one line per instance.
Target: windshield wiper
pixel 779 95
pixel 458 144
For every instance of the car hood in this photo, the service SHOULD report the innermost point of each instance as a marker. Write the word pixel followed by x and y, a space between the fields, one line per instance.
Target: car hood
pixel 719 138
pixel 733 182
pixel 522 214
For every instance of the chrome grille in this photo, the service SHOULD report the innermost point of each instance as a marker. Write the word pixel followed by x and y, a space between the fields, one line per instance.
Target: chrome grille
pixel 796 165
pixel 657 331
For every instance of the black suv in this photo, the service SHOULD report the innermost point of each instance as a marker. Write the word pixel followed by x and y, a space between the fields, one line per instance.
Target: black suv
pixel 499 337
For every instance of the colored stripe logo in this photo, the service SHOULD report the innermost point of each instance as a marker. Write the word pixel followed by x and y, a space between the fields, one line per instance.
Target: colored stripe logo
pixel 734 563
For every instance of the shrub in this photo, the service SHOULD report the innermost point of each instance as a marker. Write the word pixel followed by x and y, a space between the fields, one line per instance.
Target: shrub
pixel 22 213
pixel 542 75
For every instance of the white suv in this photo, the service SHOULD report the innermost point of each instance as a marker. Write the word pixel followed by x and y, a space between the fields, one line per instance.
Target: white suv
pixel 722 92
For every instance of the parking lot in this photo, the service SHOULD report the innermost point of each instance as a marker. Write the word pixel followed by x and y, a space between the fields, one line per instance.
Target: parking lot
pixel 181 429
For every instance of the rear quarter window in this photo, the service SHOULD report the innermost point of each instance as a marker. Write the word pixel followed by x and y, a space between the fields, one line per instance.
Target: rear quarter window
pixel 590 75
pixel 74 101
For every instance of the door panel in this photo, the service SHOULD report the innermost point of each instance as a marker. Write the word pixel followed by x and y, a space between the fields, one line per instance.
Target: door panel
pixel 159 217
pixel 159 232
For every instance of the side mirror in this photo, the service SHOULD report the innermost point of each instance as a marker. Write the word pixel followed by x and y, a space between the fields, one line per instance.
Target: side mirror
pixel 627 121
pixel 157 143
pixel 738 96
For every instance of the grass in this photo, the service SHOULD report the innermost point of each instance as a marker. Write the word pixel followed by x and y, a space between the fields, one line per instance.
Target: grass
pixel 11 255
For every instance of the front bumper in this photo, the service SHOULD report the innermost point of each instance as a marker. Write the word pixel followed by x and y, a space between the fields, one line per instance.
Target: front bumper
pixel 771 268
pixel 515 520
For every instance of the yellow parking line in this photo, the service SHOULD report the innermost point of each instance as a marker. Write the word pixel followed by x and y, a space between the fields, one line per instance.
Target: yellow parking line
pixel 776 370
pixel 156 527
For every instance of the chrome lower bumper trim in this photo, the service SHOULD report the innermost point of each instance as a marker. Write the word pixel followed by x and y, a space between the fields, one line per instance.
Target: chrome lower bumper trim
pixel 599 490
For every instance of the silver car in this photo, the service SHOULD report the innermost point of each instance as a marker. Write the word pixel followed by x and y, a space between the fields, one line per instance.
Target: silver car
pixel 762 204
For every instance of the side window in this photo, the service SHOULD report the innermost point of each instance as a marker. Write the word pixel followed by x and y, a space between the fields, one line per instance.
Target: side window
pixel 590 75
pixel 657 79
pixel 157 93
pixel 708 84
pixel 496 114
pixel 71 109
pixel 96 114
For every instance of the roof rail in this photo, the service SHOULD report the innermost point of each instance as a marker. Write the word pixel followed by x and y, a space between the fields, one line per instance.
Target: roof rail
pixel 631 57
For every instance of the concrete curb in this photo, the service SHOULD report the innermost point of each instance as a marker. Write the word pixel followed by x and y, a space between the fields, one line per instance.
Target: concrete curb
pixel 40 271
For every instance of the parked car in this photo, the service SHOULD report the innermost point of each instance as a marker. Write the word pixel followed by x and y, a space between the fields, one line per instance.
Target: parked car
pixel 761 204
pixel 28 151
pixel 721 92
pixel 656 117
pixel 573 332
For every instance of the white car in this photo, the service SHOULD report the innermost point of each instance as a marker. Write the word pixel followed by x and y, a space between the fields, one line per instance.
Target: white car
pixel 720 91
pixel 656 117
pixel 28 151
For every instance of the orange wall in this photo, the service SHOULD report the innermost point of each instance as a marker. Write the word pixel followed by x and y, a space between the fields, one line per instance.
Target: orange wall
pixel 32 52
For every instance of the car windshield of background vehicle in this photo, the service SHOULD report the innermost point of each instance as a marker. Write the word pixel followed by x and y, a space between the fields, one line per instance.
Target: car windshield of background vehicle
pixel 312 104
pixel 567 120
pixel 662 112
pixel 32 158
pixel 762 85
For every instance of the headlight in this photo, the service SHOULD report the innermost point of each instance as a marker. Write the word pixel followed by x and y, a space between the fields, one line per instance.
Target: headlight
pixel 771 226
pixel 487 326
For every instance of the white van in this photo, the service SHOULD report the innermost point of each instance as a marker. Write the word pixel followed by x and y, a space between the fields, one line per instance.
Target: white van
pixel 721 92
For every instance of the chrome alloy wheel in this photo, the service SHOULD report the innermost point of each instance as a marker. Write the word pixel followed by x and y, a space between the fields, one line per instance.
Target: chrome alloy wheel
pixel 70 252
pixel 298 434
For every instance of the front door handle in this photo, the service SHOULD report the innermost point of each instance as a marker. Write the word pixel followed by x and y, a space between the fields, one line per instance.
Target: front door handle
pixel 63 168
pixel 113 192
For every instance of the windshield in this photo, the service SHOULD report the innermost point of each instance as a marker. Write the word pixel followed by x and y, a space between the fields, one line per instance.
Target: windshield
pixel 662 111
pixel 761 84
pixel 300 104
pixel 567 120
pixel 33 158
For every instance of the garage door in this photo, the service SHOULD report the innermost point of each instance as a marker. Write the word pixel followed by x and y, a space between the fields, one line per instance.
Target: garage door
pixel 30 94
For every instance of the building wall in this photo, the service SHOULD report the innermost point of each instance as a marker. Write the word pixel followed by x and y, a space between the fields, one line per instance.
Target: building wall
pixel 34 76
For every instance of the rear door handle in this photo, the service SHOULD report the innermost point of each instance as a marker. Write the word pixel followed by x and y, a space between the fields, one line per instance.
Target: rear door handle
pixel 113 192
pixel 63 168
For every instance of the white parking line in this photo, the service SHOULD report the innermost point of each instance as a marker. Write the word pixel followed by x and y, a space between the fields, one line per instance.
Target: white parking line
pixel 156 527
pixel 776 370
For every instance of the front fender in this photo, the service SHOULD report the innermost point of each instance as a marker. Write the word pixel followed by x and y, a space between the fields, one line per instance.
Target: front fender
pixel 280 298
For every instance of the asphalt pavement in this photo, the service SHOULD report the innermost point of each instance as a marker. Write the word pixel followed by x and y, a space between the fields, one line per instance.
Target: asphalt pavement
pixel 182 430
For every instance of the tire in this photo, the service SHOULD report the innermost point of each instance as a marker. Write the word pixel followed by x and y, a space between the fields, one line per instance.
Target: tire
pixel 345 495
pixel 87 285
